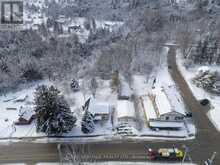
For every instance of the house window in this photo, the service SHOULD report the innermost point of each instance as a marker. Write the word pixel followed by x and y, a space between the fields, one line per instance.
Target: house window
pixel 178 118
pixel 167 118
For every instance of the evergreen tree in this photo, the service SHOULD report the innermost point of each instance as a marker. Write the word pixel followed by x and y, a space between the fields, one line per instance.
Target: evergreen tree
pixel 53 112
pixel 87 125
pixel 75 85
pixel 207 51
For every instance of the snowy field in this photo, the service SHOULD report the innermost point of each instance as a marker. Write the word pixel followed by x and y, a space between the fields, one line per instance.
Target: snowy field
pixel 199 93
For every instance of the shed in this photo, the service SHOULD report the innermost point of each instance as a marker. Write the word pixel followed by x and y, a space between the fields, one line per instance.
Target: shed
pixel 26 116
pixel 100 110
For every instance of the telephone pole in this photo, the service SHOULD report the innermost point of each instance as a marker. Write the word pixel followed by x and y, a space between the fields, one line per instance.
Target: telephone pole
pixel 210 161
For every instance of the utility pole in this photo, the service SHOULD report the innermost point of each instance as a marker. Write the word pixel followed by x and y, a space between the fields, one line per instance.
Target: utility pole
pixel 186 154
pixel 60 153
pixel 210 161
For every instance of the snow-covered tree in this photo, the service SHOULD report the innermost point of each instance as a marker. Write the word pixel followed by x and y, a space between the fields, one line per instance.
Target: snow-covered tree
pixel 87 125
pixel 53 113
pixel 199 53
pixel 115 81
pixel 115 4
pixel 185 38
pixel 206 51
pixel 133 3
pixel 74 85
pixel 152 20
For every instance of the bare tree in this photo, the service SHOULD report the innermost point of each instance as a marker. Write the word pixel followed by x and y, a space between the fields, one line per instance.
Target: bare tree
pixel 152 20
pixel 185 38
pixel 93 86
pixel 133 3
pixel 115 4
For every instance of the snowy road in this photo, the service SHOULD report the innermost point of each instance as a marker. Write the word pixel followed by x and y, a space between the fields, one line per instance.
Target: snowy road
pixel 207 140
pixel 28 153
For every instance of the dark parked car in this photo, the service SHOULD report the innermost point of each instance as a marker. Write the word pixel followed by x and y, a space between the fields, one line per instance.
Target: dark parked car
pixel 189 114
pixel 204 102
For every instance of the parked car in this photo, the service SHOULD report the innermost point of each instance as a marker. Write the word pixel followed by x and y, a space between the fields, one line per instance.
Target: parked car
pixel 189 114
pixel 204 102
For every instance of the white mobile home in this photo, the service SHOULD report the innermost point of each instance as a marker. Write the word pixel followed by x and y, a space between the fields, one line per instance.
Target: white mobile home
pixel 125 112
pixel 164 108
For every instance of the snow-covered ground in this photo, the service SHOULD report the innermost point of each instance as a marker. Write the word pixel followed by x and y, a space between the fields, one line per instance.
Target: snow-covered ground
pixel 10 110
pixel 199 93
pixel 142 85
pixel 84 33
pixel 10 106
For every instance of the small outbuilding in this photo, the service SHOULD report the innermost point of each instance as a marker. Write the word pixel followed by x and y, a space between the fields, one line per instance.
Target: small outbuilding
pixel 100 110
pixel 26 116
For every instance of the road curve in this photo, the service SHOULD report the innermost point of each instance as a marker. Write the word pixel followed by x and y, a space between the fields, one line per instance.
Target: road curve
pixel 208 138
